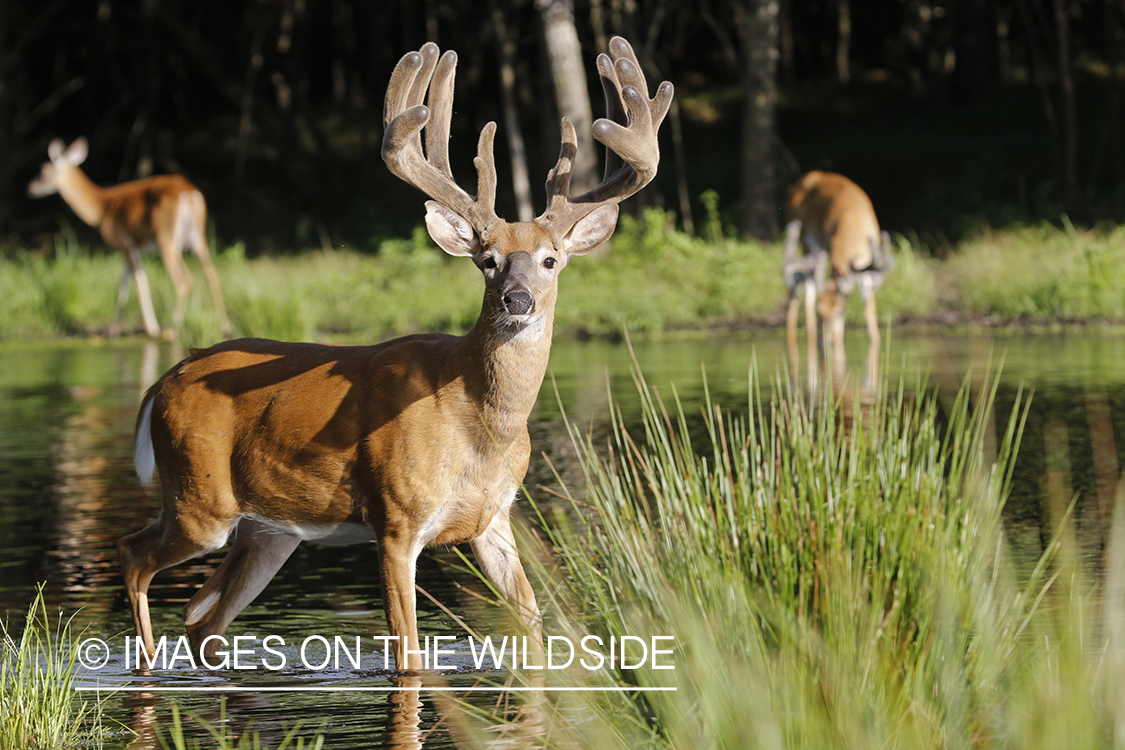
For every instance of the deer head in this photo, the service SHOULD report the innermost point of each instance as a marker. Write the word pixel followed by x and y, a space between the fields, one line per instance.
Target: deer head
pixel 62 159
pixel 520 261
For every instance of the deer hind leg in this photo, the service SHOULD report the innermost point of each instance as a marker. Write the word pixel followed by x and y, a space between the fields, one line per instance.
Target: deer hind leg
pixel 255 557
pixel 122 298
pixel 160 545
pixel 197 241
pixel 496 552
pixel 171 243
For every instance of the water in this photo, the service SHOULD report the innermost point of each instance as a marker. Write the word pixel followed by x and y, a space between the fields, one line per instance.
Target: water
pixel 68 492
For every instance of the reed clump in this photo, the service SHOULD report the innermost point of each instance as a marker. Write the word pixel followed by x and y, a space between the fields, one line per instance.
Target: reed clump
pixel 39 707
pixel 834 576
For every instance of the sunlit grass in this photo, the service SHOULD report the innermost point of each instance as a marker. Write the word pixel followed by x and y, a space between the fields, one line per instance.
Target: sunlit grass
pixel 834 577
pixel 651 278
pixel 1041 273
pixel 38 669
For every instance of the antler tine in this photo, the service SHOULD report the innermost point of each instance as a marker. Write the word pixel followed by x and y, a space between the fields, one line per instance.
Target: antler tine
pixel 404 118
pixel 614 106
pixel 485 162
pixel 629 133
pixel 558 179
pixel 441 107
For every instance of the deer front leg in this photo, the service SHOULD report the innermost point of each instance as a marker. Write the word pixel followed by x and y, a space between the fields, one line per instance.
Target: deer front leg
pixel 792 236
pixel 873 341
pixel 811 325
pixel 134 267
pixel 792 323
pixel 495 550
pixel 122 298
pixel 398 556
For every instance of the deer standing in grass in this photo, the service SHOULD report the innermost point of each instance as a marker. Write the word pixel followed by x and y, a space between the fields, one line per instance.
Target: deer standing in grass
pixel 166 211
pixel 833 219
pixel 413 442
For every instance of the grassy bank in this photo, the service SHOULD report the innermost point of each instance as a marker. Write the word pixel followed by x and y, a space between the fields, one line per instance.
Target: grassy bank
pixel 38 672
pixel 831 581
pixel 652 278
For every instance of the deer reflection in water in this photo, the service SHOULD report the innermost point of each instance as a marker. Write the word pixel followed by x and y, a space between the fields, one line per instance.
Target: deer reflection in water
pixel 415 716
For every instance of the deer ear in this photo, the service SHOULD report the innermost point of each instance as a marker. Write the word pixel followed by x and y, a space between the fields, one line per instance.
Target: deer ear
pixel 76 153
pixel 55 149
pixel 592 231
pixel 453 234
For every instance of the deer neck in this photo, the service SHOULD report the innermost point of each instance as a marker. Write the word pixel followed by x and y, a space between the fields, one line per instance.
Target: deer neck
pixel 504 369
pixel 81 194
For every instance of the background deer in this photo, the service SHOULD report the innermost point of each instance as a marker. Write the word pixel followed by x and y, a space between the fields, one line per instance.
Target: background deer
pixel 167 211
pixel 834 220
pixel 417 441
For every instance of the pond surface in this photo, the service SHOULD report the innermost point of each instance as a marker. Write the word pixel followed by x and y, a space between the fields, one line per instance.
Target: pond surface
pixel 68 492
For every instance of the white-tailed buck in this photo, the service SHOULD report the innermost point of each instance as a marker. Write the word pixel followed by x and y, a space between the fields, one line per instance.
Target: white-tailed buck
pixel 834 220
pixel 413 442
pixel 166 211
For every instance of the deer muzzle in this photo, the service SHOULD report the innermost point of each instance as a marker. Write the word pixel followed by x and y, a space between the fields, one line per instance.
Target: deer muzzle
pixel 518 302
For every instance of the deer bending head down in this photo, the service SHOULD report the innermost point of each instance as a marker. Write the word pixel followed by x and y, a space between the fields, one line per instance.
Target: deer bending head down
pixel 167 211
pixel 834 220
pixel 417 441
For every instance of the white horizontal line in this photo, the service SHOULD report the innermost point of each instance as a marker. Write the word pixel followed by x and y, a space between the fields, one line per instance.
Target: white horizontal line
pixel 359 689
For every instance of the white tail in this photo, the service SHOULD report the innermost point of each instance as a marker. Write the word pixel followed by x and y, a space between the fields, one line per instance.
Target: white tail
pixel 417 441
pixel 166 211
pixel 144 460
pixel 834 220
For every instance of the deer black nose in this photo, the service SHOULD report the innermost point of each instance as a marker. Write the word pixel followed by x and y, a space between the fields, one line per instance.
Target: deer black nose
pixel 518 302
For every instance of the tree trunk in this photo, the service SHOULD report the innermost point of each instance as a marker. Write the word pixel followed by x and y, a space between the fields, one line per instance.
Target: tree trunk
pixel 843 40
pixel 571 92
pixel 521 184
pixel 681 167
pixel 1072 197
pixel 6 123
pixel 757 24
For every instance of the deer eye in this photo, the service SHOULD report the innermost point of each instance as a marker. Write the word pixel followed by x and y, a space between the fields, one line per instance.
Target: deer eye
pixel 549 263
pixel 488 263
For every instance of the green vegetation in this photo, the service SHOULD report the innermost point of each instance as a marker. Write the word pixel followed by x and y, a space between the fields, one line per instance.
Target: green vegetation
pixel 38 705
pixel 833 578
pixel 652 278
pixel 1041 273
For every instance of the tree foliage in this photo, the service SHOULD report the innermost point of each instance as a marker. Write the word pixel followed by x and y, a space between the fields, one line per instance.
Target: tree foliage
pixel 274 106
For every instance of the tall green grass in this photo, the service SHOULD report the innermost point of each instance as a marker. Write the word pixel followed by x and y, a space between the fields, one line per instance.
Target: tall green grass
pixel 38 668
pixel 1040 273
pixel 834 577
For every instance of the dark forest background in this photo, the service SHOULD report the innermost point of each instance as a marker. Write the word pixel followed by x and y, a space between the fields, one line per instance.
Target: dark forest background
pixel 953 114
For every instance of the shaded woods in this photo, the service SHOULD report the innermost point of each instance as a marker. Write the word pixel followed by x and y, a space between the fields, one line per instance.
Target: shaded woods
pixel 952 113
